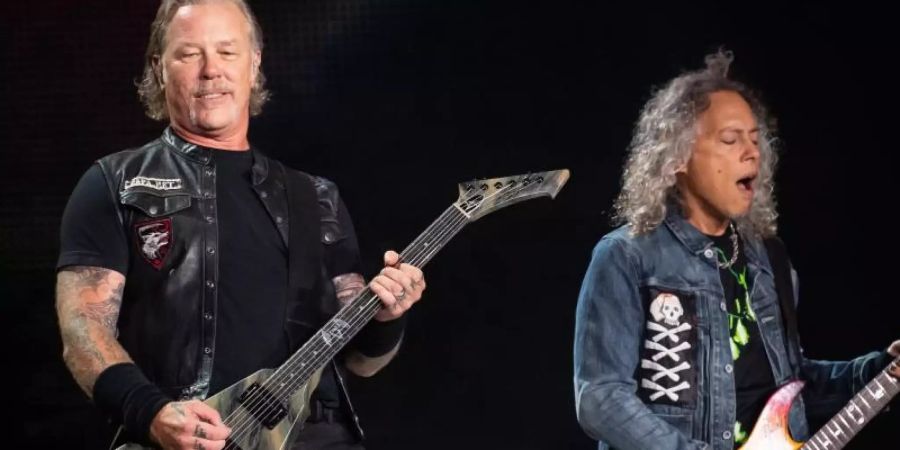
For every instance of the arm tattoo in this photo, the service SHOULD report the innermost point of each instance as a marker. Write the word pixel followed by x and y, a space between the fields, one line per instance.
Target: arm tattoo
pixel 87 303
pixel 100 296
pixel 347 286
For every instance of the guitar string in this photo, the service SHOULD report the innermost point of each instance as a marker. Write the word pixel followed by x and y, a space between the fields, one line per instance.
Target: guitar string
pixel 446 234
pixel 417 255
pixel 442 236
pixel 250 408
pixel 371 302
pixel 366 306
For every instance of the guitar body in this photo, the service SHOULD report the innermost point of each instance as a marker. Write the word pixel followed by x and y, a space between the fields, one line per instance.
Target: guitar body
pixel 771 431
pixel 253 435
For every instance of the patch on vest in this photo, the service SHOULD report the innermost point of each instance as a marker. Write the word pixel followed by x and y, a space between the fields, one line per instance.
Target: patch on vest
pixel 668 373
pixel 154 239
pixel 157 184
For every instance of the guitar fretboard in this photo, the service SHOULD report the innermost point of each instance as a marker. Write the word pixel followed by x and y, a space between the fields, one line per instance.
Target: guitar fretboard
pixel 338 331
pixel 856 414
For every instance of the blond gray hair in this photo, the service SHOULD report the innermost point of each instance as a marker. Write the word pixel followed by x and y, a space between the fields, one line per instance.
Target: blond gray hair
pixel 150 87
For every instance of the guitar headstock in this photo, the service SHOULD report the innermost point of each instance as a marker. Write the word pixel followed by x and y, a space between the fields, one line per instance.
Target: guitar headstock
pixel 478 198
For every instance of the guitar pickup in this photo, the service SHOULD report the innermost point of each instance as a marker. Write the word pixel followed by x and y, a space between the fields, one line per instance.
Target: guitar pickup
pixel 262 405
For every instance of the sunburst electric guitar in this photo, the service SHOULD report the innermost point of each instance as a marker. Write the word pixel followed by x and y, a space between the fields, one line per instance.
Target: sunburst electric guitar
pixel 264 409
pixel 771 429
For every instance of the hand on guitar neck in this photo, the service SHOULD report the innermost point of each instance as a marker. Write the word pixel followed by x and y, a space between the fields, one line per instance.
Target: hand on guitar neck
pixel 399 285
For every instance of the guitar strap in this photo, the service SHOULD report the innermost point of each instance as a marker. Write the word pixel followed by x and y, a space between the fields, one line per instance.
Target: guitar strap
pixel 784 287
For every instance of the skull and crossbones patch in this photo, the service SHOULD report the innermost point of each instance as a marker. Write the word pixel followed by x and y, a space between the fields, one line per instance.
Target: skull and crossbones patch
pixel 154 238
pixel 667 373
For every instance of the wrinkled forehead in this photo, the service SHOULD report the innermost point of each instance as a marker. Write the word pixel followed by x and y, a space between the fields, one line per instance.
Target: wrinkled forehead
pixel 216 21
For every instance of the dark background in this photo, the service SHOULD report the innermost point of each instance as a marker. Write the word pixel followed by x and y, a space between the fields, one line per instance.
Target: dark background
pixel 397 101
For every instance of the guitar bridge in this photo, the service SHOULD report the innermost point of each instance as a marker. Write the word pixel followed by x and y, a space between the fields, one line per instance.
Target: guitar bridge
pixel 262 405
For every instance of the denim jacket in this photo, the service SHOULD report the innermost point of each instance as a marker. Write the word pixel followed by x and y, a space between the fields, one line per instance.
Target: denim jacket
pixel 653 366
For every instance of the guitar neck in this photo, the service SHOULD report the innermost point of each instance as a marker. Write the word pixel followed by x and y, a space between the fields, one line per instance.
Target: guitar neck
pixel 347 322
pixel 858 412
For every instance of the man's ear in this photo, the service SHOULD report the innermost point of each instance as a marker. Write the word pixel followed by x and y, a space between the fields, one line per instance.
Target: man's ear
pixel 158 71
pixel 256 61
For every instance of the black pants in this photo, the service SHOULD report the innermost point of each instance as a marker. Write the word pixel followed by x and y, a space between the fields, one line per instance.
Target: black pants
pixel 327 435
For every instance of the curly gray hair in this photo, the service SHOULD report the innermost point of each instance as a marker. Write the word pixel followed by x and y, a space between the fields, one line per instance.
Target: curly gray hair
pixel 150 88
pixel 662 142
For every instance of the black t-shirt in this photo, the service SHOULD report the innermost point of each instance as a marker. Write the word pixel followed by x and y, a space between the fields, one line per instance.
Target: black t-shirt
pixel 253 259
pixel 753 378
pixel 252 277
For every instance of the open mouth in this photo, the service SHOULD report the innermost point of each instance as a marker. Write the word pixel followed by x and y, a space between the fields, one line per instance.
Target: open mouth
pixel 746 183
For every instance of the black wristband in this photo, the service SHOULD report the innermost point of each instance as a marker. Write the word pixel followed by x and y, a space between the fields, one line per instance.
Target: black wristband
pixel 377 338
pixel 123 393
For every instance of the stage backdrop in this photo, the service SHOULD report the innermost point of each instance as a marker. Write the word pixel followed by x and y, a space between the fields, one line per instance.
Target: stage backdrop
pixel 397 101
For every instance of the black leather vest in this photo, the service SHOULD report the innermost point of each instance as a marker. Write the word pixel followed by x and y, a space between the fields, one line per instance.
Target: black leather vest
pixel 165 193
